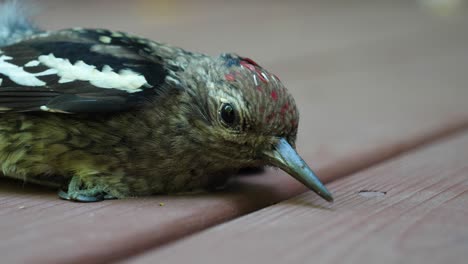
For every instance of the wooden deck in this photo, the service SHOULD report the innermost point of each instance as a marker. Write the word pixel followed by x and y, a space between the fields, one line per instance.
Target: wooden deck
pixel 383 93
pixel 412 209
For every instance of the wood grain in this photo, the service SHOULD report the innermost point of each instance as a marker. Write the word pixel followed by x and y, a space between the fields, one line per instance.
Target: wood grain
pixel 408 210
pixel 372 81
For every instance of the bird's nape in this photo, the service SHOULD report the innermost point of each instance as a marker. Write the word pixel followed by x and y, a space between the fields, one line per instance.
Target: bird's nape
pixel 283 156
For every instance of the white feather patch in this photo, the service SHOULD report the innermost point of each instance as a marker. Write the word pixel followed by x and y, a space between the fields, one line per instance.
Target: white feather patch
pixel 125 80
pixel 105 39
pixel 32 63
pixel 18 75
pixel 47 109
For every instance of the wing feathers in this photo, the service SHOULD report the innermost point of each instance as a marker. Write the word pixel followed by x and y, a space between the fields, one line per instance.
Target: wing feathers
pixel 72 72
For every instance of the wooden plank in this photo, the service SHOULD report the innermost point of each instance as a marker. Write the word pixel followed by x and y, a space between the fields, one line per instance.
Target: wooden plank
pixel 408 210
pixel 370 82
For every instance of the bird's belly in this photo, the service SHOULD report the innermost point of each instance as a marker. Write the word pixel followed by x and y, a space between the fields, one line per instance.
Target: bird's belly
pixel 20 158
pixel 44 149
pixel 51 149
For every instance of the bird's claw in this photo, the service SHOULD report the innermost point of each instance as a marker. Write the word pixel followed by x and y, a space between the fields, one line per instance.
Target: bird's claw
pixel 77 197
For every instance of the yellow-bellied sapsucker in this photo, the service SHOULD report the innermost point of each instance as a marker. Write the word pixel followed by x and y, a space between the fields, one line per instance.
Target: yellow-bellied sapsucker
pixel 103 114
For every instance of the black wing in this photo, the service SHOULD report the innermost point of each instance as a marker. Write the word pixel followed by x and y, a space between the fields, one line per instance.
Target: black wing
pixel 76 71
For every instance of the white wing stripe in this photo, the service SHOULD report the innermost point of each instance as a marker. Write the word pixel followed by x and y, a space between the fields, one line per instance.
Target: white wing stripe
pixel 126 80
pixel 19 75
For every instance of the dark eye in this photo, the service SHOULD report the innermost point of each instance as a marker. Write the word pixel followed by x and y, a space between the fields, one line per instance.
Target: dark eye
pixel 228 114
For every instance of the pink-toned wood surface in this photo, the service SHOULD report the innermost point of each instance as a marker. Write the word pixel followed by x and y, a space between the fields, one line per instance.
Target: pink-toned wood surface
pixel 372 81
pixel 413 209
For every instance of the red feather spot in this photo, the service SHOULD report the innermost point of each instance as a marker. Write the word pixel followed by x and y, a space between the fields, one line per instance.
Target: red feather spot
pixel 274 96
pixel 270 117
pixel 284 108
pixel 250 61
pixel 248 65
pixel 253 66
pixel 230 77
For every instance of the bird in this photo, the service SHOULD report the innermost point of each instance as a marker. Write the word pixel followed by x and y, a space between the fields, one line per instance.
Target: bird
pixel 101 114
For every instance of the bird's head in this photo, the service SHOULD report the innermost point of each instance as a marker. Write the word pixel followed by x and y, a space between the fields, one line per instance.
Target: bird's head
pixel 250 117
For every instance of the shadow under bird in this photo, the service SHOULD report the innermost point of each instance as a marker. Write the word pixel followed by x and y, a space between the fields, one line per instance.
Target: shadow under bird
pixel 102 114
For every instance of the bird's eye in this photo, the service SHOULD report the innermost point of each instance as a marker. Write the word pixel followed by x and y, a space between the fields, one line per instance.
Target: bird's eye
pixel 228 114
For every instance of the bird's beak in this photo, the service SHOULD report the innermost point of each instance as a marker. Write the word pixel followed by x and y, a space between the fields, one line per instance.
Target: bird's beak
pixel 283 156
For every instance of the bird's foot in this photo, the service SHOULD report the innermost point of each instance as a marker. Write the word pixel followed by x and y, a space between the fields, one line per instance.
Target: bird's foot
pixel 78 193
pixel 85 196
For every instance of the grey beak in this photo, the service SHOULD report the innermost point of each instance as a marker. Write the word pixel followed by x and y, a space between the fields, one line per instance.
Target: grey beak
pixel 286 158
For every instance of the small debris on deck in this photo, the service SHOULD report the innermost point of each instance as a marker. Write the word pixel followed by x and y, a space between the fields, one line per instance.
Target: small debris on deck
pixel 371 193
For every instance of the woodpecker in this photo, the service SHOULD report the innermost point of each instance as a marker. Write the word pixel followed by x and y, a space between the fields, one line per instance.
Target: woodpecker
pixel 102 114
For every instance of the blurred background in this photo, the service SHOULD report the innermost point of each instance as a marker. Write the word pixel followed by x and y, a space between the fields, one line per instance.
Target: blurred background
pixel 265 28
